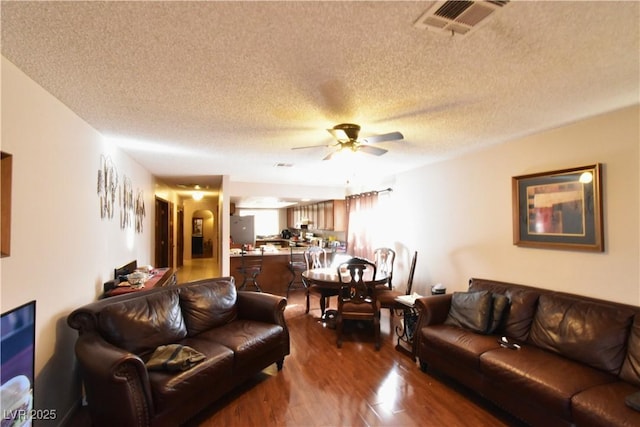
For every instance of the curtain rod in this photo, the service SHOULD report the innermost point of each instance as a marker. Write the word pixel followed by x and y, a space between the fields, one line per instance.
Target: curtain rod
pixel 389 189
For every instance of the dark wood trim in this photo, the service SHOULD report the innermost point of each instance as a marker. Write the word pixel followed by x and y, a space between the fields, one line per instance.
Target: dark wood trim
pixel 6 166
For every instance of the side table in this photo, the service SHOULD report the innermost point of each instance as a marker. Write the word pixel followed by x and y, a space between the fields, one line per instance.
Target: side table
pixel 409 318
pixel 160 277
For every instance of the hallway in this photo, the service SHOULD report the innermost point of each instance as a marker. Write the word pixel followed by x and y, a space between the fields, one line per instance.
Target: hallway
pixel 196 269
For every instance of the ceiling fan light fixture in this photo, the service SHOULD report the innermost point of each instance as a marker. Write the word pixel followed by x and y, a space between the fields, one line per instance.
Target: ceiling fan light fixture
pixel 197 195
pixel 346 152
pixel 345 131
pixel 346 135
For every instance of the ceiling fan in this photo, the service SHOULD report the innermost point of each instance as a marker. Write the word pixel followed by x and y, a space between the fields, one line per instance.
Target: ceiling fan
pixel 347 136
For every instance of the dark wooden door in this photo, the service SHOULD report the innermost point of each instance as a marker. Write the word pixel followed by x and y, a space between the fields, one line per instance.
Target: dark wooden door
pixel 180 239
pixel 162 246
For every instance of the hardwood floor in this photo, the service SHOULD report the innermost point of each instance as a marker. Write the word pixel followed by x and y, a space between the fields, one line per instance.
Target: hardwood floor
pixel 321 385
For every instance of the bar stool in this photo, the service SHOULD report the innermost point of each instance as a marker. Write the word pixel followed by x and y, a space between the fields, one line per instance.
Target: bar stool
pixel 250 268
pixel 297 265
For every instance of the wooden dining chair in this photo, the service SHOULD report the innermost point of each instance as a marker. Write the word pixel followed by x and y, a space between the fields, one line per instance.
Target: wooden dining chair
pixel 387 297
pixel 384 259
pixel 316 257
pixel 357 297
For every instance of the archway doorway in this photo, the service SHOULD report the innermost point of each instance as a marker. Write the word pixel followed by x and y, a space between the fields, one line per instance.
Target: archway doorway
pixel 203 235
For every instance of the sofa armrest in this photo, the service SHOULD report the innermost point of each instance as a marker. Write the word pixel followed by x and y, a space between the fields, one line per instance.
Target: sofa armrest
pixel 261 307
pixel 114 378
pixel 433 310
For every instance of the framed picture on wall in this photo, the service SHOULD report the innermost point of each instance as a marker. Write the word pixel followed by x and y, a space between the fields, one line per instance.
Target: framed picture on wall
pixel 559 209
pixel 197 226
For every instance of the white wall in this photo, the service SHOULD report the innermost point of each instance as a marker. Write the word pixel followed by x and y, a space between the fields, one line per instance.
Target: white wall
pixel 457 213
pixel 61 250
pixel 235 188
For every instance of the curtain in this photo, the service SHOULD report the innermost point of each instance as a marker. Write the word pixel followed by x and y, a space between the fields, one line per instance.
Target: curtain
pixel 362 220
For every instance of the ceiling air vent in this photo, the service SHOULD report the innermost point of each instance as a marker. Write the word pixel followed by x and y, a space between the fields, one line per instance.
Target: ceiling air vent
pixel 458 17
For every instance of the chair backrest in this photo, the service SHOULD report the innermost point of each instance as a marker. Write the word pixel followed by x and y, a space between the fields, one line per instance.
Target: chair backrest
pixel 315 257
pixel 412 271
pixel 252 261
pixel 353 287
pixel 384 259
pixel 296 257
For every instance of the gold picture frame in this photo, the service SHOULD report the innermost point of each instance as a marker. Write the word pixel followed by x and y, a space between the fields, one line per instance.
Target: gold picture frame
pixel 560 209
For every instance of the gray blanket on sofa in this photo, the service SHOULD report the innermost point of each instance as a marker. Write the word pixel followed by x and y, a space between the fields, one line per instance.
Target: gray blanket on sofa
pixel 174 357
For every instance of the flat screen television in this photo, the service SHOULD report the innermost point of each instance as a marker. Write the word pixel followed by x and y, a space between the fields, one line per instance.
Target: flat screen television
pixel 17 346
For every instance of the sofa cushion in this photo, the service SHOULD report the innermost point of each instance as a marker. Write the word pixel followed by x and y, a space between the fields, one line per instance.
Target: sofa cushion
pixel 172 388
pixel 631 367
pixel 142 324
pixel 460 344
pixel 604 406
pixel 540 376
pixel 585 331
pixel 248 339
pixel 470 310
pixel 208 305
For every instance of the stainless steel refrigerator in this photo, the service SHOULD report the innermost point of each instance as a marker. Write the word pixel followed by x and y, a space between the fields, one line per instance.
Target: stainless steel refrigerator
pixel 242 230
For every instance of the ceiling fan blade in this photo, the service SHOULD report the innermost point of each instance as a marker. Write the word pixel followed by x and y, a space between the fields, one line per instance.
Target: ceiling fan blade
pixel 393 136
pixel 372 150
pixel 330 155
pixel 312 146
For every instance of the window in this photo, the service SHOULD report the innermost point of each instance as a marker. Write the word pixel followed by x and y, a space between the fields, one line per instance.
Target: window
pixel 266 221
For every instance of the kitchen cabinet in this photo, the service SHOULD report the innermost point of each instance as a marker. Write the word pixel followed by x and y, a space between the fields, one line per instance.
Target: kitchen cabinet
pixel 339 215
pixel 328 215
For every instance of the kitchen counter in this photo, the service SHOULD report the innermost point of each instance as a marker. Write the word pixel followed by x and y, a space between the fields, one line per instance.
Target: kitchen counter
pixel 275 274
pixel 278 241
pixel 284 243
pixel 268 252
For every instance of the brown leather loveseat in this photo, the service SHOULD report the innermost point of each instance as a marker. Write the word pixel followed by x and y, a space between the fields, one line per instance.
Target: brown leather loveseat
pixel 239 333
pixel 577 361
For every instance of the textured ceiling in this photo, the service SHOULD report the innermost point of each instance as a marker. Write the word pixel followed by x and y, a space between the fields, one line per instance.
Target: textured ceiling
pixel 195 89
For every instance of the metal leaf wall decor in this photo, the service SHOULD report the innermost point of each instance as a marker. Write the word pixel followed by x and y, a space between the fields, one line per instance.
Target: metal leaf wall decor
pixel 126 203
pixel 139 211
pixel 109 187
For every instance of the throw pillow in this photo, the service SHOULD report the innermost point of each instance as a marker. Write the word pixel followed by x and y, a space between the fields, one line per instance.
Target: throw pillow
pixel 174 357
pixel 500 304
pixel 470 310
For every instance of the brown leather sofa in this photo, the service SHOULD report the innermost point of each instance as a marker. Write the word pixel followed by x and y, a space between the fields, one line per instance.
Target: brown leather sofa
pixel 579 358
pixel 239 333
